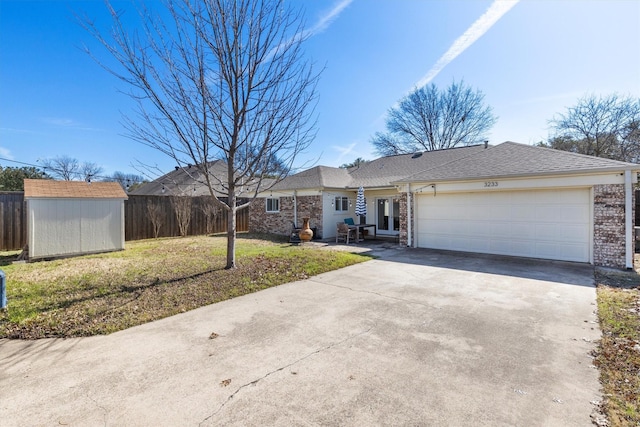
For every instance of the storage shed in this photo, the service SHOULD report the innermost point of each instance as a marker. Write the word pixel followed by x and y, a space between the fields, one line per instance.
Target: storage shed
pixel 67 218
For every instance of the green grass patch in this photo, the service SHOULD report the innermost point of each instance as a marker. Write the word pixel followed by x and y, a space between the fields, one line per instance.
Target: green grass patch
pixel 151 279
pixel 618 354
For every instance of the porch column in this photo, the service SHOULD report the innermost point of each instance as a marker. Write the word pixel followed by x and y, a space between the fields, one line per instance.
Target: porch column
pixel 628 219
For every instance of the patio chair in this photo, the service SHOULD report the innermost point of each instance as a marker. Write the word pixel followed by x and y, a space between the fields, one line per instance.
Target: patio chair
pixel 349 222
pixel 344 232
pixel 294 236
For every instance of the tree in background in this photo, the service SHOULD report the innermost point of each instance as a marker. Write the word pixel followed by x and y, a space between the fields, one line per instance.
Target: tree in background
pixel 217 79
pixel 69 169
pixel 357 162
pixel 429 119
pixel 128 181
pixel 12 179
pixel 599 126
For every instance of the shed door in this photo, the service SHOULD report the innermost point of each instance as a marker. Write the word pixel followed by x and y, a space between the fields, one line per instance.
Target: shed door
pixel 549 224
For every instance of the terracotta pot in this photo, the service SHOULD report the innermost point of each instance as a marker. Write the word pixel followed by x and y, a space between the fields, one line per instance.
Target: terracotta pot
pixel 305 233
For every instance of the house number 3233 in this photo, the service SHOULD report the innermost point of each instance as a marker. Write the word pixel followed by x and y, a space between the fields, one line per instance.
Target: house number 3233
pixel 490 183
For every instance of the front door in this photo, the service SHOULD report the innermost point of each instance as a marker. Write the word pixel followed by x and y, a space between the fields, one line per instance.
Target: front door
pixel 388 215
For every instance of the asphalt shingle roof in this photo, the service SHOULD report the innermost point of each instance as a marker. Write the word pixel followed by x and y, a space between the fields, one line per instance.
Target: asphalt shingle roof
pixel 508 159
pixel 189 181
pixel 511 159
pixel 44 188
pixel 316 177
pixel 385 170
pixel 376 173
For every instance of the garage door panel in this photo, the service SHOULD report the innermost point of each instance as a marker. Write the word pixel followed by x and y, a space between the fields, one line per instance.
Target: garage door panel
pixel 523 213
pixel 575 234
pixel 553 224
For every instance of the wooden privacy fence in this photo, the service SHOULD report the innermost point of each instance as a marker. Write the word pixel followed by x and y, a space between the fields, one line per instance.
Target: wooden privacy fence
pixel 13 220
pixel 138 224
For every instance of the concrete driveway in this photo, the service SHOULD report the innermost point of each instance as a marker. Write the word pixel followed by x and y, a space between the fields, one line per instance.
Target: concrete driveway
pixel 416 337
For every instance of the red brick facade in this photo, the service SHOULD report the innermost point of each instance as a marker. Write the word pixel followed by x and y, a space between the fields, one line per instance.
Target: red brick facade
pixel 280 222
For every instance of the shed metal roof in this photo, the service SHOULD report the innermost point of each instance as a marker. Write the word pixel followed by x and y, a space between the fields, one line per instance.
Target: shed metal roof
pixel 44 188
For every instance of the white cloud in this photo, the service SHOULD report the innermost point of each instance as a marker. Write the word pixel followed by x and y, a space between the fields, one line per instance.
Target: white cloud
pixel 497 9
pixel 5 153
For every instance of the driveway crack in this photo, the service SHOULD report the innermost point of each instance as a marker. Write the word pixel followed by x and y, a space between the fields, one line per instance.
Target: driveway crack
pixel 377 294
pixel 256 381
pixel 105 410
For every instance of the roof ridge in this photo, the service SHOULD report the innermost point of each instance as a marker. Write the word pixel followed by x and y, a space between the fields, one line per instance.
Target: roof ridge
pixel 473 153
pixel 571 153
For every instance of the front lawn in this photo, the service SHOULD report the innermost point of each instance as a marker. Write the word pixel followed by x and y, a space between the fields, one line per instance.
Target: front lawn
pixel 151 279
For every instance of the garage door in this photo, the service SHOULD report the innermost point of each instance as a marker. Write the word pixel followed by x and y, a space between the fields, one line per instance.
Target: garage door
pixel 549 224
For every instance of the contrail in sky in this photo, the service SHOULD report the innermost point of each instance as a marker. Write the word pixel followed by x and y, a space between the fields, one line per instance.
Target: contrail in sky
pixel 497 9
pixel 322 24
pixel 327 19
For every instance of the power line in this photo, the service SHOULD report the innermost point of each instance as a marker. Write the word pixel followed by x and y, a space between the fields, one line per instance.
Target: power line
pixel 60 171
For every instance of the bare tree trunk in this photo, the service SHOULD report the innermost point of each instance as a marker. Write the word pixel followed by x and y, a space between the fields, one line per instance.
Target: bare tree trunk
pixel 231 230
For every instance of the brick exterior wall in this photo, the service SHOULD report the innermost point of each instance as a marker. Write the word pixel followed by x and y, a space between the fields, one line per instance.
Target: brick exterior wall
pixel 261 221
pixel 609 225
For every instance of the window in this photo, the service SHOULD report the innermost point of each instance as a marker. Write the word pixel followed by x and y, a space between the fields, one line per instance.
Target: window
pixel 342 204
pixel 273 205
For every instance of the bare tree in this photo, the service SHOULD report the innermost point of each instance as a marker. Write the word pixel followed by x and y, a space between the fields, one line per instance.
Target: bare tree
pixel 210 211
pixel 62 167
pixel 89 171
pixel 69 169
pixel 218 79
pixel 430 119
pixel 156 215
pixel 182 208
pixel 599 126
pixel 128 181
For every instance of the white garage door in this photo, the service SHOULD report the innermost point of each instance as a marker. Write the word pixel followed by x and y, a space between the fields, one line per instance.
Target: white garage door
pixel 549 224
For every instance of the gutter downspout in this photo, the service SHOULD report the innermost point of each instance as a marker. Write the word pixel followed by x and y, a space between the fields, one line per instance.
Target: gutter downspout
pixel 409 216
pixel 295 207
pixel 628 220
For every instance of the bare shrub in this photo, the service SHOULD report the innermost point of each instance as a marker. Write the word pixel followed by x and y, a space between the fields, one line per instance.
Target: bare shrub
pixel 210 211
pixel 182 208
pixel 156 214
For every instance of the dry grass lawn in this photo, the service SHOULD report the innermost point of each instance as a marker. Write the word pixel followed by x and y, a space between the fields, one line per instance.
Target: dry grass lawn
pixel 618 354
pixel 151 279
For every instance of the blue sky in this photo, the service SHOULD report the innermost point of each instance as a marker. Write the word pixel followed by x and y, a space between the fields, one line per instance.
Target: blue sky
pixel 531 59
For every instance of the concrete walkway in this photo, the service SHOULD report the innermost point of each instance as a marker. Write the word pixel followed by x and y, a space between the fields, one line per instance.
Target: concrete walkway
pixel 415 337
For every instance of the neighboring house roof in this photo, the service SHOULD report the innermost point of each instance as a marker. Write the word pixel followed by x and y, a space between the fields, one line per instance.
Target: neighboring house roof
pixel 511 159
pixel 45 188
pixel 189 181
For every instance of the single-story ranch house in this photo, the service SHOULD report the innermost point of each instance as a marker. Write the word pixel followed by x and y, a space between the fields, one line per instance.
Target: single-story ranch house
pixel 509 199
